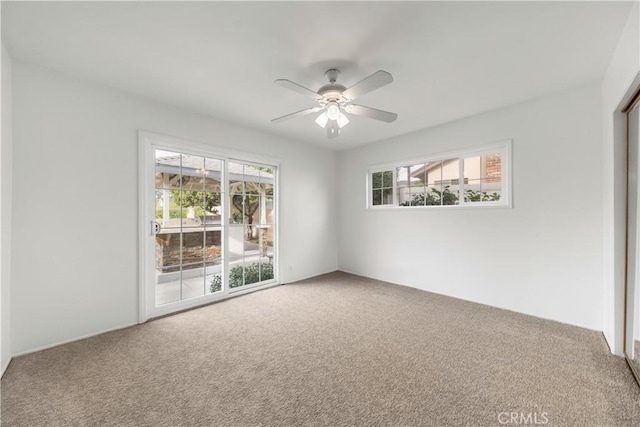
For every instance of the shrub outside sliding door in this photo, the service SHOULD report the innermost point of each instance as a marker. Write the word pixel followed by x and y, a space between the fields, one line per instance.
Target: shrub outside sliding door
pixel 208 221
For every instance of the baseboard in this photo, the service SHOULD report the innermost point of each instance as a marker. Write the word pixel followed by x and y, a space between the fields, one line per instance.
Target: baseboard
pixel 606 343
pixel 4 367
pixel 368 277
pixel 56 344
pixel 475 302
pixel 316 275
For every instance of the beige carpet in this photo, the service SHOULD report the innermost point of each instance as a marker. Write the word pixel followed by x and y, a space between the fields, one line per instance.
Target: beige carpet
pixel 334 350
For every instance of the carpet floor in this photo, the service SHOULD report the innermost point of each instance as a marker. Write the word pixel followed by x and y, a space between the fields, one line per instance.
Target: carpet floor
pixel 335 350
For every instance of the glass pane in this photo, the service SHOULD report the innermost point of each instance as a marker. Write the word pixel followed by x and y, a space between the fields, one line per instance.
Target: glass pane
pixel 404 196
pixel 266 271
pixel 402 175
pixel 236 275
pixel 259 215
pixel 236 243
pixel 266 243
pixel 160 204
pixel 492 167
pixel 236 178
pixel 213 281
pixel 267 181
pixel 483 180
pixel 417 174
pixel 192 172
pixel 450 182
pixel 376 180
pixel 251 243
pixel 472 168
pixel 251 207
pixel 168 211
pixel 236 207
pixel 251 272
pixel 433 173
pixel 192 247
pixel 402 185
pixel 167 169
pixel 212 209
pixel 269 210
pixel 213 248
pixel 417 197
pixel 193 280
pixel 168 251
pixel 377 197
pixel 192 208
pixel 387 196
pixel 265 248
pixel 387 179
pixel 491 177
pixel 167 285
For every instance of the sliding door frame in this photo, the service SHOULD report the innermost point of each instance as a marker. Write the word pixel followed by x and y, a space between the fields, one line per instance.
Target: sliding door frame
pixel 148 142
pixel 629 102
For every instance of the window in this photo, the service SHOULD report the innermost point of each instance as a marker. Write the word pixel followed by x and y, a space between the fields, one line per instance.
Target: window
pixel 382 188
pixel 475 177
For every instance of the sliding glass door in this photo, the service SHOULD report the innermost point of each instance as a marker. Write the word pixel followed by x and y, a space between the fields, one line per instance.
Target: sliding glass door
pixel 212 225
pixel 188 226
pixel 251 190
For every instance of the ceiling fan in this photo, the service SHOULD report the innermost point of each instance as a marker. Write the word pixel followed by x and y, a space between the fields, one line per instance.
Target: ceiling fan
pixel 334 100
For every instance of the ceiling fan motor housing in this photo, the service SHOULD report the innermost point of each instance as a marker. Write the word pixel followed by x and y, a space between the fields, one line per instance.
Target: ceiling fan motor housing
pixel 332 91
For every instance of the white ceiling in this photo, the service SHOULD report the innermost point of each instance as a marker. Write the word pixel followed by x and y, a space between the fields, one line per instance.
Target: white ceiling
pixel 449 60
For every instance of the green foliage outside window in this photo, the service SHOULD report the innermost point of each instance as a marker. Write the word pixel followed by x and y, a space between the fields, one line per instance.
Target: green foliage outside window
pixel 200 202
pixel 382 180
pixel 254 273
pixel 476 196
pixel 447 197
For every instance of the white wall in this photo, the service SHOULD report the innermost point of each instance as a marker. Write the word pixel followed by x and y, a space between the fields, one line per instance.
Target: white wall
pixel 5 212
pixel 542 257
pixel 623 68
pixel 75 202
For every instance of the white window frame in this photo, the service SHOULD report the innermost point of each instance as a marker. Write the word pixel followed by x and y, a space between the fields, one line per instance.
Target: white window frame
pixel 147 143
pixel 503 147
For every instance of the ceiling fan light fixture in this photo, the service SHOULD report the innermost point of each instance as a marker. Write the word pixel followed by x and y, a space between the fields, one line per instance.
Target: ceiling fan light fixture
pixel 322 120
pixel 333 110
pixel 343 120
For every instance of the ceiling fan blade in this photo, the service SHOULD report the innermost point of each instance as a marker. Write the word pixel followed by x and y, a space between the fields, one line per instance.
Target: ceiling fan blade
pixel 368 84
pixel 297 88
pixel 372 113
pixel 333 130
pixel 296 114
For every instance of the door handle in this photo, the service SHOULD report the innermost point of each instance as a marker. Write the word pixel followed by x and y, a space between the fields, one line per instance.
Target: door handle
pixel 155 228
